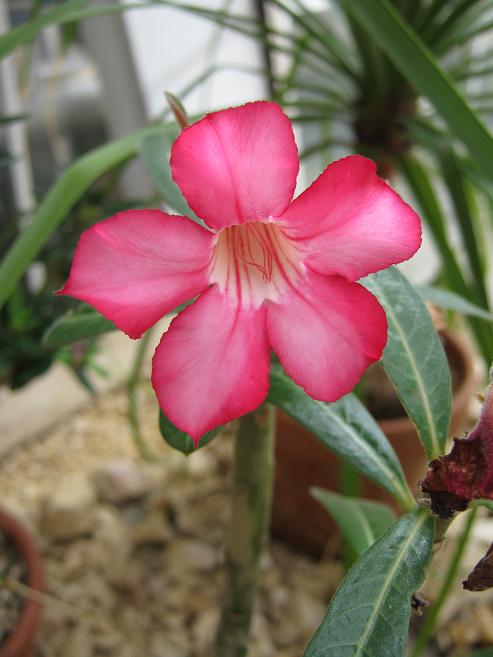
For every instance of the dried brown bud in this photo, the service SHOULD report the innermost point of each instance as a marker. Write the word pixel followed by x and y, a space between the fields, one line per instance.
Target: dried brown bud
pixel 466 473
pixel 481 577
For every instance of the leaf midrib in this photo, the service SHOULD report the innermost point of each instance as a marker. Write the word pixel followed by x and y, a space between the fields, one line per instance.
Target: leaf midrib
pixel 422 390
pixel 386 586
pixel 372 453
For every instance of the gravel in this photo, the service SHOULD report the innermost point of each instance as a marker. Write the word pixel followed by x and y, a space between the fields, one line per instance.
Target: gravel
pixel 145 575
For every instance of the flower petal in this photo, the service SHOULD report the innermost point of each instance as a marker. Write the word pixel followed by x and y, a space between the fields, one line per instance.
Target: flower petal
pixel 326 334
pixel 350 222
pixel 212 365
pixel 138 265
pixel 237 165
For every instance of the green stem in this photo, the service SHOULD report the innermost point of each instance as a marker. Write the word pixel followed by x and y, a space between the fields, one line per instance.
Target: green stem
pixel 132 405
pixel 428 626
pixel 252 493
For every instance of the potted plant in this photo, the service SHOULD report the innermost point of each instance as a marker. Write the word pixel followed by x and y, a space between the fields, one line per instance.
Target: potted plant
pixel 20 556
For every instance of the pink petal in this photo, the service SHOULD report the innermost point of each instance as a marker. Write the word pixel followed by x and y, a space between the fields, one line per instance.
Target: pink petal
pixel 326 334
pixel 212 365
pixel 237 165
pixel 350 222
pixel 138 265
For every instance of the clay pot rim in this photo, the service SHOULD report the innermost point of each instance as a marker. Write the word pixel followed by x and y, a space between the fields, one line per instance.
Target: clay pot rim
pixel 460 398
pixel 21 639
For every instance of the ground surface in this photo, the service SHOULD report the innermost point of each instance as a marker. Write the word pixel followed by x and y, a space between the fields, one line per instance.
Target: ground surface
pixel 145 577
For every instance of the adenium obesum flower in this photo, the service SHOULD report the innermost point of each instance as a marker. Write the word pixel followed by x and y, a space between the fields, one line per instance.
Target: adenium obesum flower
pixel 271 273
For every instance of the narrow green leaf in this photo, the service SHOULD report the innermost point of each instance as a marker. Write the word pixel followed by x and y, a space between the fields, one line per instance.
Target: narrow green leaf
pixel 370 612
pixel 13 118
pixel 154 152
pixel 414 358
pixel 456 185
pixel 61 197
pixel 179 439
pixel 346 428
pixel 452 301
pixel 361 522
pixel 81 324
pixel 24 33
pixel 419 181
pixel 416 62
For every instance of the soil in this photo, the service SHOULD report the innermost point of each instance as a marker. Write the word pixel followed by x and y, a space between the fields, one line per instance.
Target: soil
pixel 13 567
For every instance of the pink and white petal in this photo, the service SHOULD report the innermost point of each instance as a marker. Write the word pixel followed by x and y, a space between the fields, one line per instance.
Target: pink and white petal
pixel 138 265
pixel 326 334
pixel 212 365
pixel 350 222
pixel 237 165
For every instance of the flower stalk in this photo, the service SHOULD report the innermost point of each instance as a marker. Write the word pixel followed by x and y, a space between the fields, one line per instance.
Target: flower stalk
pixel 251 506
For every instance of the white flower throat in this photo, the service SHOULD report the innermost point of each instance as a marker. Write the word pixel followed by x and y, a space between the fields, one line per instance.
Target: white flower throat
pixel 253 262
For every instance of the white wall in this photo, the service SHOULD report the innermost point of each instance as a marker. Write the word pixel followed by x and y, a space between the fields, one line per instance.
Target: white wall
pixel 171 47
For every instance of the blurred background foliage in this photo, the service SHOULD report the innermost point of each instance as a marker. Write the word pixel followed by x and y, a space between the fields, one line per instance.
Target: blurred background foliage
pixel 408 83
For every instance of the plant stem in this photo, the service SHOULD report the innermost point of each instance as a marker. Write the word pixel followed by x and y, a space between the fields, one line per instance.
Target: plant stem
pixel 428 626
pixel 132 402
pixel 252 494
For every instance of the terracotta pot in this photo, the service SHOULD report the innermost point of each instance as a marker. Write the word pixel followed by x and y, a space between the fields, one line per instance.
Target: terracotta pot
pixel 302 462
pixel 21 640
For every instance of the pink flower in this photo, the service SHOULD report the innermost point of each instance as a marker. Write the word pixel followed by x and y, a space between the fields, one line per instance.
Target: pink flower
pixel 271 273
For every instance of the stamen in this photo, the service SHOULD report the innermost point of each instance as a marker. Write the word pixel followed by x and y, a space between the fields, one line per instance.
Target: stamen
pixel 254 262
pixel 266 267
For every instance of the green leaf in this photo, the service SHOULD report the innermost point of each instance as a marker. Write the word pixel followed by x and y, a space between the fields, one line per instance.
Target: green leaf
pixel 370 612
pixel 346 428
pixel 61 197
pixel 418 65
pixel 12 118
pixel 419 179
pixel 452 301
pixel 361 522
pixel 154 153
pixel 84 323
pixel 179 439
pixel 486 652
pixel 414 358
pixel 487 504
pixel 24 33
pixel 464 211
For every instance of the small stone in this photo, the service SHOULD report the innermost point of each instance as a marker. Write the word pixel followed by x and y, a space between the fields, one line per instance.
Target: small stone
pixel 205 627
pixel 69 512
pixel 78 643
pixel 170 645
pixel 201 463
pixel 309 611
pixel 152 529
pixel 262 645
pixel 121 481
pixel 484 617
pixel 190 554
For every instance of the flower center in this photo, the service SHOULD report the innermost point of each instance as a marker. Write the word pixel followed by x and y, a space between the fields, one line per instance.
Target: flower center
pixel 254 262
